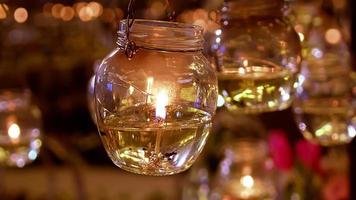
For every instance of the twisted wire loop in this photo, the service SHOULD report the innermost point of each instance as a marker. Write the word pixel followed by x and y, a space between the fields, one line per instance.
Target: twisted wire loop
pixel 130 47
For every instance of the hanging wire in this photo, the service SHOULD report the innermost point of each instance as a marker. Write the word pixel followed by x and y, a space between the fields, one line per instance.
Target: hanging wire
pixel 130 47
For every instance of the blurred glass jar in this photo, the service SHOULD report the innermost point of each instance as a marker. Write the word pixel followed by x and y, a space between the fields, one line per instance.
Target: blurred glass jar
pixel 257 56
pixel 20 133
pixel 325 104
pixel 246 172
pixel 154 110
pixel 227 128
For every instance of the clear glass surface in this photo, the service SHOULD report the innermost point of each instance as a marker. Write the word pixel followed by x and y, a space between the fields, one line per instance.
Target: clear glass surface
pixel 154 110
pixel 20 128
pixel 258 53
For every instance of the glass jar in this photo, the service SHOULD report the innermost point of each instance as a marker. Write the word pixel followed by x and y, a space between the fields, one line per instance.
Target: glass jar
pixel 325 104
pixel 154 110
pixel 246 172
pixel 20 132
pixel 257 56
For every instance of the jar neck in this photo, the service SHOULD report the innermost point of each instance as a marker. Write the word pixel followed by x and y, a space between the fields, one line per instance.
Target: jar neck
pixel 162 35
pixel 235 9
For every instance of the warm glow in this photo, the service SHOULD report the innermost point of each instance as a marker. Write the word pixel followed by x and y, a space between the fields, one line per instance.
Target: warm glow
pixel 156 9
pixel 20 15
pixel 3 8
pixel 241 70
pixel 245 63
pixel 56 10
pixel 301 37
pixel 96 8
pixel 161 103
pixel 85 14
pixel 247 181
pixel 333 36
pixel 78 6
pixel 14 131
pixel 67 13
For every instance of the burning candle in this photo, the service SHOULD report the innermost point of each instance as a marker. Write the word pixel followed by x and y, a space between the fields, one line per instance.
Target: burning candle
pixel 161 103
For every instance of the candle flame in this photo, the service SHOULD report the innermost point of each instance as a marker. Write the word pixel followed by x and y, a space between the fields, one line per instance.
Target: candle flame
pixel 247 181
pixel 14 131
pixel 161 103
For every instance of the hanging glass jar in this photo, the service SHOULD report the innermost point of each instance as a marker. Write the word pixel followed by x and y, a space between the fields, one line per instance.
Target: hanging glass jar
pixel 154 110
pixel 246 172
pixel 325 104
pixel 257 56
pixel 20 133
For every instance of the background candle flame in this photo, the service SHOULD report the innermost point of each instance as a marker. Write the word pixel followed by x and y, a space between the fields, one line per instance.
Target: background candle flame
pixel 161 103
pixel 247 181
pixel 14 131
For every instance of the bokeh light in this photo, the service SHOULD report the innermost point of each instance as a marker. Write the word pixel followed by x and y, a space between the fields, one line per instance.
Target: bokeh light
pixel 20 15
pixel 333 36
pixel 56 10
pixel 67 13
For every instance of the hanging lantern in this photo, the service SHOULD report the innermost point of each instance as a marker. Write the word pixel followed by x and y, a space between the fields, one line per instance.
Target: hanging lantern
pixel 155 96
pixel 257 56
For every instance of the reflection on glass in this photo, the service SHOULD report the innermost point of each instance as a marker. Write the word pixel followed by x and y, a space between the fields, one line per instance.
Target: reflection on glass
pixel 90 93
pixel 20 128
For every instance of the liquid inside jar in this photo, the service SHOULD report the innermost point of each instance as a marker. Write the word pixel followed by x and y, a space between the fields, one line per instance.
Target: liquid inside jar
pixel 328 122
pixel 18 152
pixel 256 89
pixel 139 142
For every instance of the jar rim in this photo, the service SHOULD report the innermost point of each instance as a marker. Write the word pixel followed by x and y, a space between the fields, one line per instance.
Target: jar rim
pixel 163 35
pixel 148 23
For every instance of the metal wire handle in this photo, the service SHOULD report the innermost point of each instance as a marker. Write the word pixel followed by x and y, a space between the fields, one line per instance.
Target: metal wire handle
pixel 130 47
